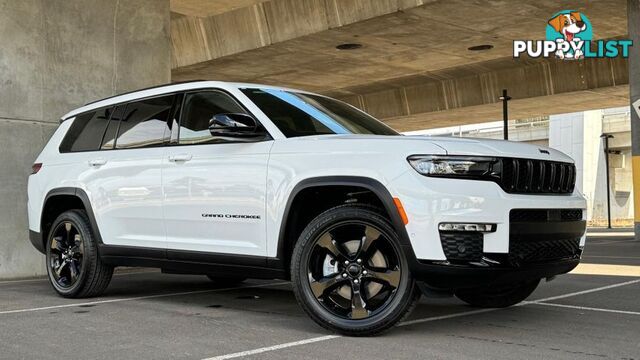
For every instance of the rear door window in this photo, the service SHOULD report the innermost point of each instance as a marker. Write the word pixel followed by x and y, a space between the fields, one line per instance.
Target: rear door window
pixel 144 123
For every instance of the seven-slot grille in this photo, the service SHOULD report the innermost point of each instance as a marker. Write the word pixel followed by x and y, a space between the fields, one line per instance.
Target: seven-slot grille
pixel 528 176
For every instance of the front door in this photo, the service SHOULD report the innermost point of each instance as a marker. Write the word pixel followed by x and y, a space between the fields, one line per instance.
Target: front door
pixel 214 187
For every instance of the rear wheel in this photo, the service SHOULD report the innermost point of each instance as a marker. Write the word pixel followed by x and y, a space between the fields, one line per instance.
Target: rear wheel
pixel 350 274
pixel 498 296
pixel 75 270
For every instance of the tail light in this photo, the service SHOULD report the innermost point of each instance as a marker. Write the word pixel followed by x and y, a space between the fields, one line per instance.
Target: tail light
pixel 35 168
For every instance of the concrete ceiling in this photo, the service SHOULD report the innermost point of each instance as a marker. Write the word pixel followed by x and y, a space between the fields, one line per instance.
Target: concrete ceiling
pixel 205 8
pixel 414 69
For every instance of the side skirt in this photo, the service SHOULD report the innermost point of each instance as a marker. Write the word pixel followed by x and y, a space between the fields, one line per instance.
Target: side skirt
pixel 192 262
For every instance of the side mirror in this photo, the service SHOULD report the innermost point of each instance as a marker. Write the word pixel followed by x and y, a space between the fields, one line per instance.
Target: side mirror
pixel 233 124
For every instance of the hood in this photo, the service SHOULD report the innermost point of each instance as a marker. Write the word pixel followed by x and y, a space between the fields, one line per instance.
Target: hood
pixel 499 148
pixel 424 145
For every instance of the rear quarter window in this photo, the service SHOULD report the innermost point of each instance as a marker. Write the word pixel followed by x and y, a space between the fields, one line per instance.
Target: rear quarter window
pixel 85 134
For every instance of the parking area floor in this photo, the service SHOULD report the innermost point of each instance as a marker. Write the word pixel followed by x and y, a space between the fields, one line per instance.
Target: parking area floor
pixel 149 315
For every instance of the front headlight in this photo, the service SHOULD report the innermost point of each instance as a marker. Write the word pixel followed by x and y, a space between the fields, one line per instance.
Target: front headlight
pixel 474 167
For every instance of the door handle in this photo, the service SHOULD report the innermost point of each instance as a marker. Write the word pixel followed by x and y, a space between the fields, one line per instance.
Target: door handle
pixel 97 162
pixel 180 157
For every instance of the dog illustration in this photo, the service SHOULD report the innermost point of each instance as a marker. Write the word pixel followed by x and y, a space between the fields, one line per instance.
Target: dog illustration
pixel 569 25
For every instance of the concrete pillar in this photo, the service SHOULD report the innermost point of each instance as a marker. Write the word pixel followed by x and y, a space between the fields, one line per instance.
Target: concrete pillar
pixel 57 55
pixel 578 135
pixel 633 21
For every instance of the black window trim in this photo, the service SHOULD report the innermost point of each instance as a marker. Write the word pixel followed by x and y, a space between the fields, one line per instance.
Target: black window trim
pixel 166 142
pixel 268 136
pixel 114 107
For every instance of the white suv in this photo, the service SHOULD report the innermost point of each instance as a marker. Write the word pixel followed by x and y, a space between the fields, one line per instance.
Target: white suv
pixel 238 181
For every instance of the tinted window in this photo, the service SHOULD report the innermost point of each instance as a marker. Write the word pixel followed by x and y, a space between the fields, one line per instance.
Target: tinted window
pixel 109 138
pixel 199 108
pixel 86 131
pixel 298 114
pixel 144 123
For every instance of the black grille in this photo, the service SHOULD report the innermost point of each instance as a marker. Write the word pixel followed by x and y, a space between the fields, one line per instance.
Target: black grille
pixel 462 246
pixel 527 176
pixel 545 215
pixel 529 252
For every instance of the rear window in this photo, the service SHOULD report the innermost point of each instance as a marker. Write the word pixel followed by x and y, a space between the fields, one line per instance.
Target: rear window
pixel 86 131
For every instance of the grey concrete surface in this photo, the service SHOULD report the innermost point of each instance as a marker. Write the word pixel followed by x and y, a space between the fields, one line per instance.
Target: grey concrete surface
pixel 150 315
pixel 57 55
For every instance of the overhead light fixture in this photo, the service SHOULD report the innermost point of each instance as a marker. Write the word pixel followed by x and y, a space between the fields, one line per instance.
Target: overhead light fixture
pixel 481 47
pixel 349 46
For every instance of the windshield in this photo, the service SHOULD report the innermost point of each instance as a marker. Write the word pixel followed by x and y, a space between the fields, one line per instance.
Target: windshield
pixel 298 114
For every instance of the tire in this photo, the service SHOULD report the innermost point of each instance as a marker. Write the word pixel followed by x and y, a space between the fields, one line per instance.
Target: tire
pixel 375 252
pixel 498 297
pixel 226 281
pixel 72 235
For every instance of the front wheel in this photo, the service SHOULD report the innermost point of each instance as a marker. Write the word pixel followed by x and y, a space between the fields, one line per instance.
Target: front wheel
pixel 498 296
pixel 349 273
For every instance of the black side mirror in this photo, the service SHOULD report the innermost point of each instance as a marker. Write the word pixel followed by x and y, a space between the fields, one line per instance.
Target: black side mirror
pixel 233 124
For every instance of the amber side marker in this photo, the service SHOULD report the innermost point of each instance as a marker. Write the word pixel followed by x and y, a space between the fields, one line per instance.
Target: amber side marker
pixel 403 215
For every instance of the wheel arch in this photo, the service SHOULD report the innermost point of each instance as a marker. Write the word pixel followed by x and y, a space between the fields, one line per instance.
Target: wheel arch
pixel 287 239
pixel 62 199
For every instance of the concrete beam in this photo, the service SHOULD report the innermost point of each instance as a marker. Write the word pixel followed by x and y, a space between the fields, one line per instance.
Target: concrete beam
pixel 262 23
pixel 418 39
pixel 518 109
pixel 549 86
pixel 204 8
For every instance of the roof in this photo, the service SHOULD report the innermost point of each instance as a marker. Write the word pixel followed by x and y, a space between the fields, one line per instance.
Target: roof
pixel 164 89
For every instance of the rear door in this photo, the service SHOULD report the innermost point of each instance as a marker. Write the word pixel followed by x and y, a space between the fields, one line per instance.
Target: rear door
pixel 124 177
pixel 214 187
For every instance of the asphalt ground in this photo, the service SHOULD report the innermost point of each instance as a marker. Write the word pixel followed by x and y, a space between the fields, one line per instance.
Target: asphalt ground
pixel 591 314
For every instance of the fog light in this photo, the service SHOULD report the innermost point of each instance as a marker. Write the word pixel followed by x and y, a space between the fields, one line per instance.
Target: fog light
pixel 467 227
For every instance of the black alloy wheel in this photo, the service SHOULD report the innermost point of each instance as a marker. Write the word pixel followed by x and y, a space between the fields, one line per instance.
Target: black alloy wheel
pixel 73 264
pixel 353 271
pixel 66 257
pixel 349 272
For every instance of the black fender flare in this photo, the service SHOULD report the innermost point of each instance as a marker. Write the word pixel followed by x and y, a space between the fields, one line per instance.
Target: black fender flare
pixel 84 198
pixel 368 183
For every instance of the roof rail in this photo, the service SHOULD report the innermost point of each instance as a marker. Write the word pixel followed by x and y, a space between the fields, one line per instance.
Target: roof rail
pixel 148 88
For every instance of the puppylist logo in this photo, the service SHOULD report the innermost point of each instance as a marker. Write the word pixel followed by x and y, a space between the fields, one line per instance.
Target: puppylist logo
pixel 570 37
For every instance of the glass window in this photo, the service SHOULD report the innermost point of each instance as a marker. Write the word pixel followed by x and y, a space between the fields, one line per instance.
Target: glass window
pixel 109 138
pixel 298 114
pixel 144 123
pixel 86 131
pixel 199 109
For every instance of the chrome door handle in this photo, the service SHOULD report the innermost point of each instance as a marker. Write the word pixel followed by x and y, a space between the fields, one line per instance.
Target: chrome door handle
pixel 97 162
pixel 180 157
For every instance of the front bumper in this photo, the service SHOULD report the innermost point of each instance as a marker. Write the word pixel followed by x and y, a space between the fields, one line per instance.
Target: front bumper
pixel 523 246
pixel 453 277
pixel 432 201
